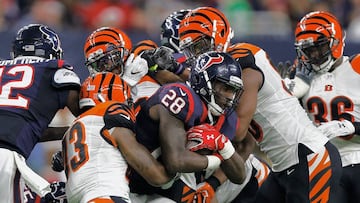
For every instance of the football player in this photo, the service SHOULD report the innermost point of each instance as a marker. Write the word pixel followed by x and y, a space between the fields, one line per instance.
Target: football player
pixel 214 87
pixel 35 84
pixel 101 144
pixel 205 29
pixel 325 91
pixel 305 165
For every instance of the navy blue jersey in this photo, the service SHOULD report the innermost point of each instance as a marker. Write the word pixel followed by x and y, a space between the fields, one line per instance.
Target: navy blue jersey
pixel 183 103
pixel 32 90
pixel 180 100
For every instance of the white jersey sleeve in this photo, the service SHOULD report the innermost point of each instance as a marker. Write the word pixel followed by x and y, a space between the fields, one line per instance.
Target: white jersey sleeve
pixel 279 121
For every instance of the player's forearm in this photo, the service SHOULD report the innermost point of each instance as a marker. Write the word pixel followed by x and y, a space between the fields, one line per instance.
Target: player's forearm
pixel 234 168
pixel 156 175
pixel 185 162
pixel 245 147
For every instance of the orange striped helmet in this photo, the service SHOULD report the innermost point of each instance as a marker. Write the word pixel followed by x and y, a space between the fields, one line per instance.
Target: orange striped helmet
pixel 102 87
pixel 106 49
pixel 142 46
pixel 204 29
pixel 319 40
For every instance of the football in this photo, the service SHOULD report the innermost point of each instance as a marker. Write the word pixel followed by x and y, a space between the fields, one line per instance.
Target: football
pixel 192 143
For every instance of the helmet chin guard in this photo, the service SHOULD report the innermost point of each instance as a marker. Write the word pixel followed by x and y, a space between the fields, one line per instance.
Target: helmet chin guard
pixel 324 67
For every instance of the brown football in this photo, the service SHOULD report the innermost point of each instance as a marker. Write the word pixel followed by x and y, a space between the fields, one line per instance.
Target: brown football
pixel 189 144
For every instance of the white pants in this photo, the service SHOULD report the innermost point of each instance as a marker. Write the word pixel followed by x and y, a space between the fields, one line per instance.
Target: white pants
pixel 8 170
pixel 14 174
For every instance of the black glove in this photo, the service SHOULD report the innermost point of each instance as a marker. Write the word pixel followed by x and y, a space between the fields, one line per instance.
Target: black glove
pixel 148 55
pixel 57 162
pixel 57 194
pixel 162 58
pixel 286 69
pixel 304 72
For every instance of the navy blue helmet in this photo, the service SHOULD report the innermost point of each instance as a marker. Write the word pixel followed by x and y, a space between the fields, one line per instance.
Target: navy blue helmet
pixel 169 29
pixel 37 40
pixel 216 66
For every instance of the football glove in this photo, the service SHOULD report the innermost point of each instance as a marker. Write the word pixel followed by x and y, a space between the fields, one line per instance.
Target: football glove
pixel 162 58
pixel 208 137
pixel 286 69
pixel 135 69
pixel 303 71
pixel 337 128
pixel 297 77
pixel 57 194
pixel 57 162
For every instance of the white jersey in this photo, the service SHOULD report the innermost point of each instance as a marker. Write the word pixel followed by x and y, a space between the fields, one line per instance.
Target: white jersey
pixel 335 95
pixel 279 121
pixel 144 88
pixel 95 166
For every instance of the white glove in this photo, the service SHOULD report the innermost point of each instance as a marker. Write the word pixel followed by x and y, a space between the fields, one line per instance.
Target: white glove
pixel 337 128
pixel 299 86
pixel 135 69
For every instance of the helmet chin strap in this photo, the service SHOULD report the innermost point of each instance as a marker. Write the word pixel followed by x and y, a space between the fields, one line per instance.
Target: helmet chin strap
pixel 214 108
pixel 324 67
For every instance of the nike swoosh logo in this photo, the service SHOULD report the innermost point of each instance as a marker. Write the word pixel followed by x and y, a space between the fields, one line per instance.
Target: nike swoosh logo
pixel 182 92
pixel 290 171
pixel 125 116
pixel 133 73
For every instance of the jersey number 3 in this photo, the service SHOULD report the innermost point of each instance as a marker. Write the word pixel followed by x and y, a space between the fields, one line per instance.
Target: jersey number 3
pixel 76 149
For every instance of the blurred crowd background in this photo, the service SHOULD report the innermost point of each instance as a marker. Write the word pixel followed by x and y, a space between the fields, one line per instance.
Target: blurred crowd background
pixel 248 17
pixel 266 23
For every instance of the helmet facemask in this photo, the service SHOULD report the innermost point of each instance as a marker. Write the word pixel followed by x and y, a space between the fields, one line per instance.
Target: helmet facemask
pixel 112 60
pixel 200 45
pixel 317 53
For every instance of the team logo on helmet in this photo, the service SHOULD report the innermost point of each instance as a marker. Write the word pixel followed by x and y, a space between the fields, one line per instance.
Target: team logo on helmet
pixel 208 61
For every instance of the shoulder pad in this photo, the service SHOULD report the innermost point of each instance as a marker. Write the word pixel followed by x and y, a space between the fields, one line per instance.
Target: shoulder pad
pixel 65 77
pixel 355 62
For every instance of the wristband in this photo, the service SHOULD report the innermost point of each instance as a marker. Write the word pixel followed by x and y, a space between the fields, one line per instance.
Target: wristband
pixel 213 162
pixel 214 182
pixel 227 151
pixel 153 68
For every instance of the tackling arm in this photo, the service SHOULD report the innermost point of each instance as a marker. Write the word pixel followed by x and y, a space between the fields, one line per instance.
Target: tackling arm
pixel 246 108
pixel 172 137
pixel 140 158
